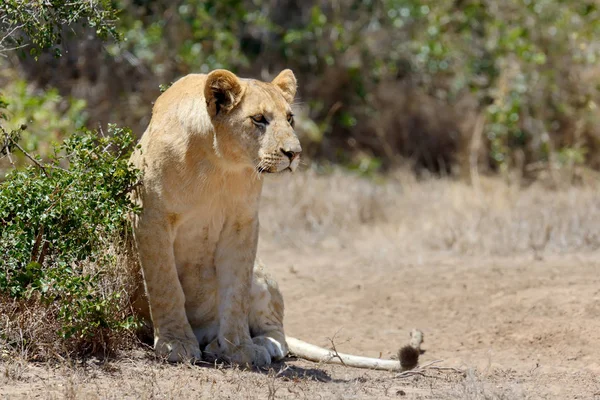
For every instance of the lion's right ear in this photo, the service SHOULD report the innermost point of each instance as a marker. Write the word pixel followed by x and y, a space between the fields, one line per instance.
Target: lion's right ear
pixel 223 91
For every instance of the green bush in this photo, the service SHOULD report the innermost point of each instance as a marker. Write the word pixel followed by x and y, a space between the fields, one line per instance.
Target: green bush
pixel 65 234
pixel 39 25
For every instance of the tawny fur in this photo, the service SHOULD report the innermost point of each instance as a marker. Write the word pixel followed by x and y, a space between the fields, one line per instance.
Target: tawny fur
pixel 210 140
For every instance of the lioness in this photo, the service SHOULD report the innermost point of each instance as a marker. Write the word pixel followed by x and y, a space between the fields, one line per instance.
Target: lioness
pixel 210 140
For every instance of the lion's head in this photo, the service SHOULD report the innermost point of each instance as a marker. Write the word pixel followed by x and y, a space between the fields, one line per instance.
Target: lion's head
pixel 253 120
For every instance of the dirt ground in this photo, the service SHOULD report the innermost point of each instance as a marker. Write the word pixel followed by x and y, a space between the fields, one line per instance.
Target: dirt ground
pixel 504 283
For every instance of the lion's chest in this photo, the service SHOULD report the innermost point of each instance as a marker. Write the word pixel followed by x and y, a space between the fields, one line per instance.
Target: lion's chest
pixel 207 219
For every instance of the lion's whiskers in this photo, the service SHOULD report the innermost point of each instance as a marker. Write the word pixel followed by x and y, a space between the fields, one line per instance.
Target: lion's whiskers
pixel 256 173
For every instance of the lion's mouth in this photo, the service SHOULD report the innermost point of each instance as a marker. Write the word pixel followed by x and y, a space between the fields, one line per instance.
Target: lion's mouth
pixel 277 167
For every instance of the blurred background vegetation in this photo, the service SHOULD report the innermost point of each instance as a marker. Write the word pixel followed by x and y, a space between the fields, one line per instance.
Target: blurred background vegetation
pixel 455 87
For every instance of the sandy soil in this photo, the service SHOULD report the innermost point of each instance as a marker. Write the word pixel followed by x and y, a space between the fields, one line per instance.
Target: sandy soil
pixel 519 325
pixel 527 326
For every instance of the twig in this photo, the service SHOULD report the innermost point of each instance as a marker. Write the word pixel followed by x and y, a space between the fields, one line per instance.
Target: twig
pixel 6 146
pixel 334 350
pixel 427 367
pixel 457 370
pixel 6 149
pixel 11 32
pixel 2 51
pixel 36 245
pixel 282 370
pixel 59 168
pixel 335 353
pixel 413 372
pixel 130 188
pixel 36 162
pixel 429 364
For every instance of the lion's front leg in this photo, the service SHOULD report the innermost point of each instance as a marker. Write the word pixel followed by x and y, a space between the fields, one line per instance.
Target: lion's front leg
pixel 173 336
pixel 234 261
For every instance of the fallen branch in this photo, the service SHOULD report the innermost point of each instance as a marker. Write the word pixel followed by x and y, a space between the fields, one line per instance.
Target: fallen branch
pixel 408 355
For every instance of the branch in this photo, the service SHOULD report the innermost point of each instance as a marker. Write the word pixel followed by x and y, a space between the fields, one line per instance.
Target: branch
pixel 10 33
pixel 130 188
pixel 335 352
pixel 8 140
pixel 36 162
pixel 333 348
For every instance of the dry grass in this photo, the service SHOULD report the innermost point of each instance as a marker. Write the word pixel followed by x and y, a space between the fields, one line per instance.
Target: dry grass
pixel 476 387
pixel 431 215
pixel 143 379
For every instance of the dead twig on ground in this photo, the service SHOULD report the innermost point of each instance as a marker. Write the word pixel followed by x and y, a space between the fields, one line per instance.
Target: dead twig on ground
pixel 430 366
pixel 333 348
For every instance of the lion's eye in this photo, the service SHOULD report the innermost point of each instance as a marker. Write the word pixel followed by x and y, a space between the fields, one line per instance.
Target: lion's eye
pixel 290 119
pixel 259 119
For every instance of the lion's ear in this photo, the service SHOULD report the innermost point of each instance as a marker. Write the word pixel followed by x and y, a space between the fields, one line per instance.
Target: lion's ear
pixel 286 81
pixel 223 91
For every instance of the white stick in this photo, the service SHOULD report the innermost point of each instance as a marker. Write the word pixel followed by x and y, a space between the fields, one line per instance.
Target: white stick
pixel 314 353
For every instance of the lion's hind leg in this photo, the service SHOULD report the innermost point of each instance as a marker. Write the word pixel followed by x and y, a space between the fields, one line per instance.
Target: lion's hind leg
pixel 266 314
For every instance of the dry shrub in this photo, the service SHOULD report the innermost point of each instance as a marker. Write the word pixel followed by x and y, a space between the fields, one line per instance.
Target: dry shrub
pixel 413 125
pixel 30 328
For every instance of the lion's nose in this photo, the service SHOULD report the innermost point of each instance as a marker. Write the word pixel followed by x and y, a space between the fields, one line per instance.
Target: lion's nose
pixel 291 153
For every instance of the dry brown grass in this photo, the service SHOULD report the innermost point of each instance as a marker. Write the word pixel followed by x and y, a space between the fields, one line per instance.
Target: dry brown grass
pixel 431 215
pixel 141 378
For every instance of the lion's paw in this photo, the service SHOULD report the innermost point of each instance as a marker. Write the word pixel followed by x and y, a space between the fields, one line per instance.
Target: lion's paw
pixel 246 355
pixel 178 350
pixel 275 349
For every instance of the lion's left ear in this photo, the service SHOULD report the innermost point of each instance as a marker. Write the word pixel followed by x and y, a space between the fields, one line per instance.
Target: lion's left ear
pixel 286 81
